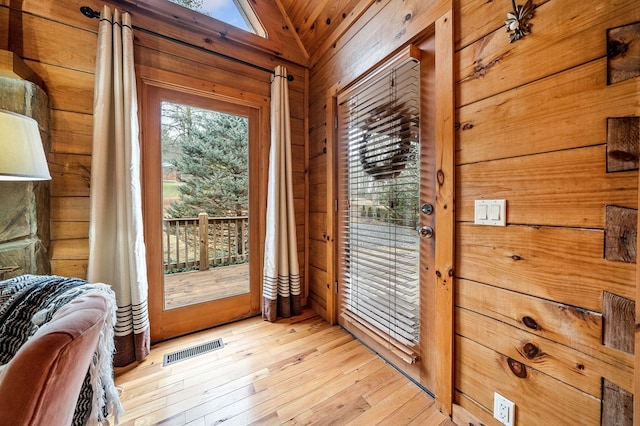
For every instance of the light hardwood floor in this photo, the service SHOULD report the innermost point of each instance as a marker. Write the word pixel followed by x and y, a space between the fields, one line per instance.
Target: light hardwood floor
pixel 296 371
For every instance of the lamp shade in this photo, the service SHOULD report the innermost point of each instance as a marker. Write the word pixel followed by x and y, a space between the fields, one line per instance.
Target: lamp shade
pixel 21 152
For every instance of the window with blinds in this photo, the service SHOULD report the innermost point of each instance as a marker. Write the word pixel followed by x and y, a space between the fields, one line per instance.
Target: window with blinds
pixel 379 190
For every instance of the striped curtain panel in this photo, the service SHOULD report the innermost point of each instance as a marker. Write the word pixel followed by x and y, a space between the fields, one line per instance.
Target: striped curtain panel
pixel 281 285
pixel 116 245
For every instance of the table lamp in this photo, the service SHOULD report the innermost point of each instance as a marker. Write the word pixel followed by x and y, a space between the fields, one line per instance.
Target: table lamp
pixel 22 156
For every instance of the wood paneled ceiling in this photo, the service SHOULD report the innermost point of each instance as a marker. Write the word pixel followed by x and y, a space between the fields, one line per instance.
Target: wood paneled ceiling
pixel 319 22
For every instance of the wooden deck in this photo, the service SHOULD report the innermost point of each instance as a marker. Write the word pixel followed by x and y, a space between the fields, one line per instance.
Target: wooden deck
pixel 296 371
pixel 189 288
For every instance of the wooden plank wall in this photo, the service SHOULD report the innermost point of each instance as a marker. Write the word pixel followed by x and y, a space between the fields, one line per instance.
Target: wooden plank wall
pixel 532 117
pixel 535 299
pixel 59 43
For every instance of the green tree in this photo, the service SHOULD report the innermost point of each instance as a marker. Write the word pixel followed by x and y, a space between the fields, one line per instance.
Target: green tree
pixel 196 5
pixel 210 151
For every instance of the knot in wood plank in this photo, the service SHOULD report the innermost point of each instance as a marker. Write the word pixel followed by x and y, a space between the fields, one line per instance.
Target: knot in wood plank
pixel 617 48
pixel 622 155
pixel 530 323
pixel 531 351
pixel 517 368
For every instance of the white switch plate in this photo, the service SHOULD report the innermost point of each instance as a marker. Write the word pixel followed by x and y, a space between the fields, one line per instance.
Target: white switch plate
pixel 490 212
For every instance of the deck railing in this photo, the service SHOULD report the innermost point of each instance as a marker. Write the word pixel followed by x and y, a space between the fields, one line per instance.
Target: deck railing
pixel 203 242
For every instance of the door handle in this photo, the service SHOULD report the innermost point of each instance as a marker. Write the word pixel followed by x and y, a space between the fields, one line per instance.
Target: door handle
pixel 425 231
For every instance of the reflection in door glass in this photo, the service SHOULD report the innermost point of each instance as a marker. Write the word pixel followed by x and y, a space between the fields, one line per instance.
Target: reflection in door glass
pixel 205 190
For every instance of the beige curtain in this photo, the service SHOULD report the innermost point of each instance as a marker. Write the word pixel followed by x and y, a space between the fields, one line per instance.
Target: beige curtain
pixel 116 246
pixel 281 285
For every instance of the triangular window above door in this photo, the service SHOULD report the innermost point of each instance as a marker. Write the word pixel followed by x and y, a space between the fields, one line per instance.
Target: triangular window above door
pixel 237 13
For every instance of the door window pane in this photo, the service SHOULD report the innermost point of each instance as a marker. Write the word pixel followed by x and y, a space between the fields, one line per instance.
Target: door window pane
pixel 205 204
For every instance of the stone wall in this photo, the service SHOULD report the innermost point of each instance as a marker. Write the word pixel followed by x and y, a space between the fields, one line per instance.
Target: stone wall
pixel 24 206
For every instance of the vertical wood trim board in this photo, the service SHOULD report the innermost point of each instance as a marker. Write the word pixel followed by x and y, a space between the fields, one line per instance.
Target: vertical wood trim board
pixel 636 375
pixel 444 210
pixel 332 259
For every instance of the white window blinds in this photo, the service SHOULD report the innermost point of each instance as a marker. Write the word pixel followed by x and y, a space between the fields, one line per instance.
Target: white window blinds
pixel 379 190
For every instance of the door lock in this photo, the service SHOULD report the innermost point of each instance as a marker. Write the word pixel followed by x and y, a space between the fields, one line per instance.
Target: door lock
pixel 426 231
pixel 427 208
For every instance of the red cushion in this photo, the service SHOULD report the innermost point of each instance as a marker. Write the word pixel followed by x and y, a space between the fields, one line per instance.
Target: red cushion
pixel 42 382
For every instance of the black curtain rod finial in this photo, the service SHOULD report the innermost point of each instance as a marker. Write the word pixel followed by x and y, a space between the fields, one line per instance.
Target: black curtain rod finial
pixel 89 13
pixel 289 77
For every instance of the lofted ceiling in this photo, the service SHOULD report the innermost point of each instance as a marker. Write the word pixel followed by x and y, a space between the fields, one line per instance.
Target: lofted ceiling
pixel 318 22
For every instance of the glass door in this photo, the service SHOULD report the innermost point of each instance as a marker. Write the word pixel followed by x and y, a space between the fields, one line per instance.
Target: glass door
pixel 383 227
pixel 205 204
pixel 198 154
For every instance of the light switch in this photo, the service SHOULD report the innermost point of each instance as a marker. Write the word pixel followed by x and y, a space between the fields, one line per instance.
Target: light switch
pixel 482 212
pixel 494 212
pixel 490 212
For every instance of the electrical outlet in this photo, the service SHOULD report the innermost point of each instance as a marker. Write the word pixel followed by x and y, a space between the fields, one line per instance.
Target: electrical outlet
pixel 503 409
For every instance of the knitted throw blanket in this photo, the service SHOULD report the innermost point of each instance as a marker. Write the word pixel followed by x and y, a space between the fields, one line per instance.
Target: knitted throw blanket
pixel 30 301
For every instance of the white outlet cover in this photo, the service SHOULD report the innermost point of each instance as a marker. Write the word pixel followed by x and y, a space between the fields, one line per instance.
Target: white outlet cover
pixel 503 410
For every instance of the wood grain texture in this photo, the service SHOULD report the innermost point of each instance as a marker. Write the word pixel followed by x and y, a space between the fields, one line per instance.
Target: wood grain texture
pixel 330 293
pixel 70 175
pixel 580 102
pixel 623 143
pixel 620 234
pixel 79 55
pixel 492 65
pixel 623 53
pixel 202 286
pixel 351 19
pixel 68 90
pixel 69 209
pixel 617 405
pixel 619 320
pixel 480 371
pixel 560 264
pixel 557 360
pixel 317 21
pixel 383 24
pixel 477 18
pixel 182 23
pixel 636 332
pixel 71 132
pixel 69 230
pixel 314 374
pixel 461 416
pixel 561 188
pixel 71 249
pixel 4 25
pixel 70 268
pixel 445 181
pixel 574 327
pixel 484 415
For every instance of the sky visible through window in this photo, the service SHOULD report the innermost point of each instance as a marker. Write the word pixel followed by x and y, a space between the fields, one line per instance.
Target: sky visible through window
pixel 223 10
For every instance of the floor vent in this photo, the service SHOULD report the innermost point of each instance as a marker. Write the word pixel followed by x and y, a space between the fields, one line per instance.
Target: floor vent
pixel 187 353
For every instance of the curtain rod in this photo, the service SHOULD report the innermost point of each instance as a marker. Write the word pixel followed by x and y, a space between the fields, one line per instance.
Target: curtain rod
pixel 90 13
